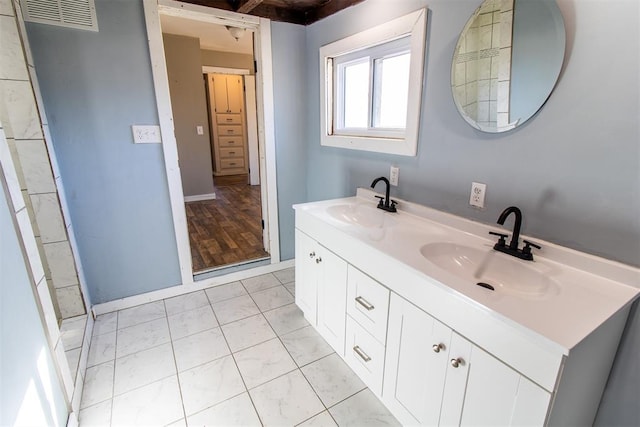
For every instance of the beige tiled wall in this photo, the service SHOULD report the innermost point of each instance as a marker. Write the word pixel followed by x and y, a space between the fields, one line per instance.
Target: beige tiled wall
pixel 25 126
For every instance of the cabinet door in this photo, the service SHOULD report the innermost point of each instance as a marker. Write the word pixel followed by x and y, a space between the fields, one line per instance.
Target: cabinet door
pixel 220 95
pixel 415 364
pixel 493 393
pixel 235 94
pixel 332 298
pixel 306 276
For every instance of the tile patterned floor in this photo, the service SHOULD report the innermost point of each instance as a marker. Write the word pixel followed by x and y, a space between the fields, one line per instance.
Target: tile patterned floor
pixel 240 354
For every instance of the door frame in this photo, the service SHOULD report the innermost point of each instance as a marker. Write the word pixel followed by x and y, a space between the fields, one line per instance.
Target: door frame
pixel 265 110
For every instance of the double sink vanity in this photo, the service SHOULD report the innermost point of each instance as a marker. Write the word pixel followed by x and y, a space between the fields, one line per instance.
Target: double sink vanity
pixel 444 329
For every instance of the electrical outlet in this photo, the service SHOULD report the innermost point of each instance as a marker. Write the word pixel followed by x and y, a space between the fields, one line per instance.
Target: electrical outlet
pixel 478 192
pixel 393 175
pixel 199 130
pixel 146 134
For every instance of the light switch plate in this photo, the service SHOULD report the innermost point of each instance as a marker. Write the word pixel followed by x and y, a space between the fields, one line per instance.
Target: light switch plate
pixel 146 134
pixel 200 130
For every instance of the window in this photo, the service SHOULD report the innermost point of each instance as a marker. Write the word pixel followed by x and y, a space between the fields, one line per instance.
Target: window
pixel 365 79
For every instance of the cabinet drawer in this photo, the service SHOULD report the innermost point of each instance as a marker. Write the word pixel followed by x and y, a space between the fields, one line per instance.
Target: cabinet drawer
pixel 231 163
pixel 365 355
pixel 229 130
pixel 229 119
pixel 230 141
pixel 231 152
pixel 368 303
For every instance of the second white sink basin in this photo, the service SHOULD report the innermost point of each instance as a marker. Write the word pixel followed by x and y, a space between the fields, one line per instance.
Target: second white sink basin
pixel 361 215
pixel 491 270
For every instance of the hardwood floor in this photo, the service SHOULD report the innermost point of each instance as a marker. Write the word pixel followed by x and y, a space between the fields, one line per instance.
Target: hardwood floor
pixel 226 230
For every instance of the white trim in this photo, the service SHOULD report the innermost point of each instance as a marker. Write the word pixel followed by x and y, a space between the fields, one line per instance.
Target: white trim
pixel 413 24
pixel 252 132
pixel 262 30
pixel 178 290
pixel 199 197
pixel 169 145
pixel 222 70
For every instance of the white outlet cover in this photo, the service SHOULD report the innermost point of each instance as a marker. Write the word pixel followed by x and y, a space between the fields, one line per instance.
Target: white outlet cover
pixel 146 134
pixel 393 175
pixel 478 191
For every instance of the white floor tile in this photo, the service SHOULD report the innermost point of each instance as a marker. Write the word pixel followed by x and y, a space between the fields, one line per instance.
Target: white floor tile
pixel 306 345
pixel 102 349
pixel 141 337
pixel 286 319
pixel 259 283
pixel 72 332
pixel 235 309
pixel 141 314
pixel 287 400
pixel 237 411
pixel 208 384
pixel 191 322
pixel 186 302
pixel 291 287
pixel 98 384
pixel 97 415
pixel 105 323
pixel 73 360
pixel 323 419
pixel 144 367
pixel 272 298
pixel 363 409
pixel 332 379
pixel 247 332
pixel 180 423
pixel 223 292
pixel 286 276
pixel 200 348
pixel 264 362
pixel 155 404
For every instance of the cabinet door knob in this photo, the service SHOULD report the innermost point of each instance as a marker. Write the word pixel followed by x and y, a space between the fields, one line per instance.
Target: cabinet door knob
pixel 437 347
pixel 364 356
pixel 312 254
pixel 457 362
pixel 318 260
pixel 366 304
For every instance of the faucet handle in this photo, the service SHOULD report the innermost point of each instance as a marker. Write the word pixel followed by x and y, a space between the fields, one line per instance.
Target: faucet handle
pixel 381 202
pixel 528 245
pixel 502 238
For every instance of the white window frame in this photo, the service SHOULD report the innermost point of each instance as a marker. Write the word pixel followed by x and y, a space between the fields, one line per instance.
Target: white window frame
pixel 402 143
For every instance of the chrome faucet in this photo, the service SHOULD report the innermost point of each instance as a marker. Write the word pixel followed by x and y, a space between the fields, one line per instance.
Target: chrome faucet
pixel 385 202
pixel 512 249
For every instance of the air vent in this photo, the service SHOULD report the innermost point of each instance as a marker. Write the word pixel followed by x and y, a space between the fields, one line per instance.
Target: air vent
pixel 80 14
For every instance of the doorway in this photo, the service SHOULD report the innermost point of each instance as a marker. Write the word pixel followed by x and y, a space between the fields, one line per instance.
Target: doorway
pixel 258 202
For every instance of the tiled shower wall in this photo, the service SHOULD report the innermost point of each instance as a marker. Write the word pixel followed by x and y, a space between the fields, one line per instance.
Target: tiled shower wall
pixel 27 133
pixel 483 65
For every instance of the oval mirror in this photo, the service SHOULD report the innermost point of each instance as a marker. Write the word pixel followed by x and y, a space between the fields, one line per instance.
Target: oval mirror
pixel 507 62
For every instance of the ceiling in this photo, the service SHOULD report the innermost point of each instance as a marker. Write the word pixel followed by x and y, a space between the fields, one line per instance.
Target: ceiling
pixel 303 12
pixel 212 36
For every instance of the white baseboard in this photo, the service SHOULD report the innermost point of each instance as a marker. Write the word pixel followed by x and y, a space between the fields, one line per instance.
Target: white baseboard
pixel 199 197
pixel 177 290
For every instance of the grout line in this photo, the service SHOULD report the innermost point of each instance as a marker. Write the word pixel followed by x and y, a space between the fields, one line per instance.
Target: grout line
pixel 175 363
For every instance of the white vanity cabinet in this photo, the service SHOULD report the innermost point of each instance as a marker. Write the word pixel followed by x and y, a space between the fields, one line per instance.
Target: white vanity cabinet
pixel 434 376
pixel 321 289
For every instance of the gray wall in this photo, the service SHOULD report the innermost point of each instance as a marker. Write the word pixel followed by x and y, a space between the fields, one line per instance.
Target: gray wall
pixel 573 168
pixel 214 58
pixel 290 102
pixel 26 367
pixel 95 86
pixel 189 104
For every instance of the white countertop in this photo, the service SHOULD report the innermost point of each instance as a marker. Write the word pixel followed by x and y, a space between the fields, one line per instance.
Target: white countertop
pixel 587 290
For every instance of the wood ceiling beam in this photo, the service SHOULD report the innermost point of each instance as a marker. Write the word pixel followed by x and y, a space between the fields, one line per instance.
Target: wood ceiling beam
pixel 328 9
pixel 246 6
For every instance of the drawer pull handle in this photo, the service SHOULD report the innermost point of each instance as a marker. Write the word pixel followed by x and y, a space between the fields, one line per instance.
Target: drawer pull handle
pixel 318 260
pixel 312 254
pixel 361 353
pixel 232 152
pixel 438 347
pixel 231 142
pixel 229 130
pixel 457 362
pixel 363 302
pixel 232 164
pixel 229 120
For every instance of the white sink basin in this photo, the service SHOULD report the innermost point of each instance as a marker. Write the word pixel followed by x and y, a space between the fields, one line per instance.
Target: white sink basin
pixel 490 269
pixel 362 215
